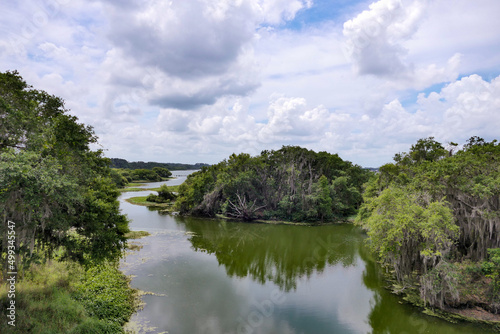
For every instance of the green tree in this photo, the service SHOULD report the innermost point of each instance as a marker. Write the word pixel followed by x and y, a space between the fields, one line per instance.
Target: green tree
pixel 145 174
pixel 324 199
pixel 409 232
pixel 464 184
pixel 53 187
pixel 163 172
pixel 427 150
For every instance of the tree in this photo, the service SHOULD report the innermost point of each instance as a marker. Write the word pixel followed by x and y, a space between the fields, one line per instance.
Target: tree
pixel 409 232
pixel 53 187
pixel 163 172
pixel 146 174
pixel 324 199
pixel 427 150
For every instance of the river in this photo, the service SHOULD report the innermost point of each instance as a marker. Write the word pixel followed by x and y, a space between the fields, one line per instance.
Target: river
pixel 218 277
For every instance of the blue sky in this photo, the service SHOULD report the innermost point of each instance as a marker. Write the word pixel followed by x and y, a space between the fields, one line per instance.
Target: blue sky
pixel 194 81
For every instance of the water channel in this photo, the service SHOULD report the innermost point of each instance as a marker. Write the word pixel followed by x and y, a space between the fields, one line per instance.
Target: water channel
pixel 218 277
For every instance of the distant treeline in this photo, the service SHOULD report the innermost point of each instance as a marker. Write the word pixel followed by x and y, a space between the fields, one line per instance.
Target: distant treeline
pixel 122 163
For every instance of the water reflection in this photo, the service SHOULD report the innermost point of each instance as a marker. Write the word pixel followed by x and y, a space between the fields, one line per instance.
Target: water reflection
pixel 277 253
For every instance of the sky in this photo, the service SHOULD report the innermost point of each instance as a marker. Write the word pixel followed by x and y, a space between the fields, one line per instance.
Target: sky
pixel 197 80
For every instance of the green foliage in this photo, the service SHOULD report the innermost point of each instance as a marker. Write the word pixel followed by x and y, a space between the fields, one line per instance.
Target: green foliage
pixel 491 269
pixel 164 195
pixel 119 178
pixel 56 190
pixel 440 285
pixel 292 183
pixel 163 172
pixel 408 232
pixel 152 198
pixel 415 207
pixel 96 326
pixel 104 292
pixel 145 174
pixel 46 303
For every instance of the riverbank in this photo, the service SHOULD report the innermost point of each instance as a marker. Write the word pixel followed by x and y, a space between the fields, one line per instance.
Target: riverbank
pixel 472 307
pixel 61 297
pixel 65 297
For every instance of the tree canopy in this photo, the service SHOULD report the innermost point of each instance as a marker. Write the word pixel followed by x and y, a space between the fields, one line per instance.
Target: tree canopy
pixel 292 183
pixel 433 207
pixel 53 186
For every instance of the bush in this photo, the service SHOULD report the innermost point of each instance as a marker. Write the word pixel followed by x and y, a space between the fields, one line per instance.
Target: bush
pixel 163 172
pixel 105 294
pixel 152 198
pixel 165 194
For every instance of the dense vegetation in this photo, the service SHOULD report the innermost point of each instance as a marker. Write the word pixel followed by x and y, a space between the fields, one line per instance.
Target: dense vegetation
pixel 433 217
pixel 292 184
pixel 57 202
pixel 56 190
pixel 122 177
pixel 122 163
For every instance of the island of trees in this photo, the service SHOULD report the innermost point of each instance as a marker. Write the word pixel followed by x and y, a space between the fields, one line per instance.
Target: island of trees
pixel 292 184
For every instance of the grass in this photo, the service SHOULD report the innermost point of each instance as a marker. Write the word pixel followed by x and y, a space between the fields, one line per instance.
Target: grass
pixel 137 234
pixel 141 200
pixel 137 184
pixel 61 297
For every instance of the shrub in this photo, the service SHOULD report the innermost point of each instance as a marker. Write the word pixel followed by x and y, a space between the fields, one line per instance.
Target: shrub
pixel 105 294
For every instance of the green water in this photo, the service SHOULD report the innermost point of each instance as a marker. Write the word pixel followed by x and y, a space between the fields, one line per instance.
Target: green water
pixel 212 276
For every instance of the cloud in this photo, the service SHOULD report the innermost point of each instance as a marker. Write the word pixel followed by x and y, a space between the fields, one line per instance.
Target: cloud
pixel 374 36
pixel 291 119
pixel 199 50
pixel 469 107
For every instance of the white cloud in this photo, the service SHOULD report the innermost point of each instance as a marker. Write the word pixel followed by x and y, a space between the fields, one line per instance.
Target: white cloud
pixel 377 43
pixel 374 37
pixel 469 107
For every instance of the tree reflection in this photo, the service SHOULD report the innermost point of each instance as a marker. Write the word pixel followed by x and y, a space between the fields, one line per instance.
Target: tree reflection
pixel 278 253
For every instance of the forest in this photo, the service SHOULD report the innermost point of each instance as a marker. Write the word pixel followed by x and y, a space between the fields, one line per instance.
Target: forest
pixel 433 218
pixel 292 184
